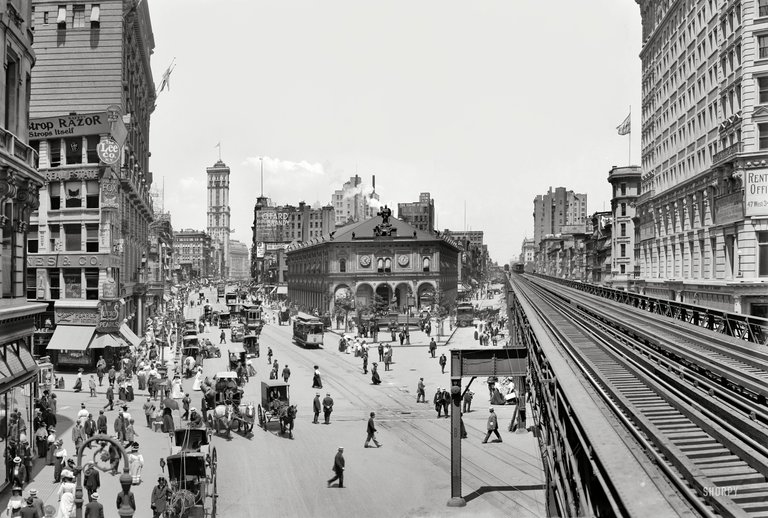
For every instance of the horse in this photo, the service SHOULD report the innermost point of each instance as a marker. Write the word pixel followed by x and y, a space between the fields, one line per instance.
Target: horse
pixel 222 417
pixel 287 415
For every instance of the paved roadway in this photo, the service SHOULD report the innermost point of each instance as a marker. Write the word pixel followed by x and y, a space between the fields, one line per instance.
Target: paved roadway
pixel 408 476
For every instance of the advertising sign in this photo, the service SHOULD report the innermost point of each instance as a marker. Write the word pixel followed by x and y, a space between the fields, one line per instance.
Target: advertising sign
pixel 260 249
pixel 108 151
pixel 269 224
pixel 729 208
pixel 756 193
pixel 68 126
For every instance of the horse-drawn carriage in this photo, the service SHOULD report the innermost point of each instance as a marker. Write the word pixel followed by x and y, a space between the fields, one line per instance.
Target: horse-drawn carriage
pixel 228 411
pixel 276 404
pixel 210 350
pixel 191 349
pixel 236 358
pixel 192 477
pixel 251 344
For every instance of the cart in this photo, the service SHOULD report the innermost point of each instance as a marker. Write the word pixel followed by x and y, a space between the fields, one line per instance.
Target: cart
pixel 251 344
pixel 229 412
pixel 276 405
pixel 192 481
pixel 210 350
pixel 236 333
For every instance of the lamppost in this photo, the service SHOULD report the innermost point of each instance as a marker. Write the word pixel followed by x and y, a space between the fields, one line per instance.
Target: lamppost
pixel 127 504
pixel 411 302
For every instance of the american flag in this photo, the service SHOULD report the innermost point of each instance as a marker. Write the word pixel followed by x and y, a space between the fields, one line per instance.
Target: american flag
pixel 626 126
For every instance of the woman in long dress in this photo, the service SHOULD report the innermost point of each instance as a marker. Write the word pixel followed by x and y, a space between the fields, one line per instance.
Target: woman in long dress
pixel 135 463
pixel 198 380
pixel 176 389
pixel 66 506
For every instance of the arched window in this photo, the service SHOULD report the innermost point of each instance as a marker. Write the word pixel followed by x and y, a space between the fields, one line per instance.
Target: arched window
pixel 387 264
pixel 425 264
pixel 380 265
pixel 342 265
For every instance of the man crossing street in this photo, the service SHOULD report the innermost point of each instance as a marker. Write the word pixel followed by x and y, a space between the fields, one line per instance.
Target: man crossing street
pixel 327 408
pixel 316 407
pixel 371 432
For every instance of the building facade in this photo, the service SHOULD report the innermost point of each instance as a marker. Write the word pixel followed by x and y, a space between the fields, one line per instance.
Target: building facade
pixel 419 214
pixel 19 184
pixel 625 185
pixel 193 254
pixel 352 203
pixel 528 251
pixel 239 262
pixel 275 227
pixel 598 248
pixel 702 212
pixel 160 262
pixel 363 261
pixel 92 95
pixel 556 209
pixel 218 216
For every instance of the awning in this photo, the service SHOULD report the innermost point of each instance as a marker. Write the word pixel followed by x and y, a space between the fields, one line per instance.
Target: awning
pixel 71 338
pixel 100 341
pixel 282 290
pixel 129 335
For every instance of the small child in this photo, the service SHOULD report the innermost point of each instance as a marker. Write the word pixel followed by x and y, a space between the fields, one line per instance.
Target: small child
pixel 92 385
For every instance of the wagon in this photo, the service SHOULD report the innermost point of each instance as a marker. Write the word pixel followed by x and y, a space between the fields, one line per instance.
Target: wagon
pixel 192 481
pixel 251 344
pixel 229 412
pixel 276 404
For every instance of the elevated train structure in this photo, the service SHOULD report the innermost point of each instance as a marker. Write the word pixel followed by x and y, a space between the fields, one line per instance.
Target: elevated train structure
pixel 641 414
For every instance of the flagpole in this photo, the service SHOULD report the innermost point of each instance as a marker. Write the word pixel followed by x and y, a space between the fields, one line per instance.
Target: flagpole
pixel 629 151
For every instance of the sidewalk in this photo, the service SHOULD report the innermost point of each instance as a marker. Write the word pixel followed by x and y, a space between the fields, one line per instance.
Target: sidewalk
pixel 418 338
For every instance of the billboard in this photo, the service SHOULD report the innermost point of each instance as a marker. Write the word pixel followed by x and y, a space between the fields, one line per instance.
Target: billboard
pixel 270 223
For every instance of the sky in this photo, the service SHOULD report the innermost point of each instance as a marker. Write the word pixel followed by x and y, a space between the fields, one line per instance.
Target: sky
pixel 483 104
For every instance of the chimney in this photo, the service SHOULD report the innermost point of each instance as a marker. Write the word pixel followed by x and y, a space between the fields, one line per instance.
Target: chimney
pixel 374 183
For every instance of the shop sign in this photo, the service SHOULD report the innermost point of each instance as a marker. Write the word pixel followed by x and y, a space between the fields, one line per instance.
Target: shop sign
pixel 68 126
pixel 109 316
pixel 260 249
pixel 80 317
pixel 756 193
pixel 108 150
pixel 271 247
pixel 72 174
pixel 70 261
pixel 109 193
pixel 729 208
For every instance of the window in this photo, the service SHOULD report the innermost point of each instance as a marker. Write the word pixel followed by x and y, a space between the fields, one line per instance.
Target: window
pixel 92 194
pixel 623 209
pixel 387 265
pixel 425 263
pixel 623 252
pixel 45 18
pixel 762 7
pixel 91 143
pixel 762 253
pixel 92 237
pixel 623 268
pixel 72 238
pixel 32 244
pixel 623 230
pixel 73 283
pixel 380 265
pixel 762 129
pixel 55 282
pixel 73 194
pixel 762 44
pixel 623 189
pixel 78 16
pixel 342 265
pixel 31 283
pixel 92 284
pixel 54 152
pixel 55 244
pixel 61 18
pixel 12 92
pixel 74 150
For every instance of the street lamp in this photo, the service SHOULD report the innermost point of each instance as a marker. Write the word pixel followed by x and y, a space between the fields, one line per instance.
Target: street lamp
pixel 411 303
pixel 127 504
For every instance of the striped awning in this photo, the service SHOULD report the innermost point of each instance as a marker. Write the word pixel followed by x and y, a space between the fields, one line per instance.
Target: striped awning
pixel 71 338
pixel 100 341
pixel 129 335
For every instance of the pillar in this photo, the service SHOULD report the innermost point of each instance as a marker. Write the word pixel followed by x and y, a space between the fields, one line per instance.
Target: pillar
pixel 456 499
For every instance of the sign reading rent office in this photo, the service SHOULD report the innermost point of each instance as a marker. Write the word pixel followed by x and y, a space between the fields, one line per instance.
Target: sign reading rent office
pixel 756 193
pixel 69 126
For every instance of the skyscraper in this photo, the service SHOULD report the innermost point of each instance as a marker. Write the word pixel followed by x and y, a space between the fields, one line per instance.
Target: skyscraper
pixel 218 216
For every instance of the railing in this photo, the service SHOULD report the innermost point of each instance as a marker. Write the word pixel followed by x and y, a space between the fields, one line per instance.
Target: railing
pixel 11 144
pixel 646 196
pixel 727 152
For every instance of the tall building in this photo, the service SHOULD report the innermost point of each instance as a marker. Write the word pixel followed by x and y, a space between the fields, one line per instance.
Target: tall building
pixel 19 183
pixel 194 254
pixel 352 203
pixel 160 261
pixel 239 263
pixel 528 249
pixel 702 212
pixel 218 216
pixel 92 95
pixel 274 227
pixel 556 209
pixel 420 214
pixel 625 183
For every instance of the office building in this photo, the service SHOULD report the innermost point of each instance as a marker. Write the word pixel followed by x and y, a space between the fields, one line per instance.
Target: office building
pixel 239 261
pixel 420 214
pixel 353 203
pixel 218 216
pixel 193 254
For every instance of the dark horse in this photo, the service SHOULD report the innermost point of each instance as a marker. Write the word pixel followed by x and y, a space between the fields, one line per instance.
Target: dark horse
pixel 287 415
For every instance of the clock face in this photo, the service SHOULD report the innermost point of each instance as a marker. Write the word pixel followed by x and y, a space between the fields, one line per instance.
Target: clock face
pixel 402 260
pixel 365 260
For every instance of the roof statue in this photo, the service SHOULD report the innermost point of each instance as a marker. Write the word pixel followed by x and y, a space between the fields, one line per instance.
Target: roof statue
pixel 385 228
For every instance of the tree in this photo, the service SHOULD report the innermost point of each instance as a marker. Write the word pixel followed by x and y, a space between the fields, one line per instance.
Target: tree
pixel 344 305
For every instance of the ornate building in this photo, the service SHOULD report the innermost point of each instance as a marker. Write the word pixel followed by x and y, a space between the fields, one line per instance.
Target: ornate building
pixel 193 254
pixel 379 256
pixel 218 217
pixel 703 207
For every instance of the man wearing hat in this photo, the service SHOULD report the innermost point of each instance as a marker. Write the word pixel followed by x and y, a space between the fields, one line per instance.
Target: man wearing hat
pixel 195 419
pixel 29 511
pixel 338 468
pixel 316 407
pixel 18 473
pixel 327 408
pixel 94 509
pixel 493 426
pixel 37 503
pixel 92 480
pixel 159 499
pixel 438 401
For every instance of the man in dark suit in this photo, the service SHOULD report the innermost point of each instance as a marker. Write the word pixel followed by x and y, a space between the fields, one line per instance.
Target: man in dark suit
pixel 92 481
pixel 327 408
pixel 338 468
pixel 29 510
pixel 94 509
pixel 371 432
pixel 316 407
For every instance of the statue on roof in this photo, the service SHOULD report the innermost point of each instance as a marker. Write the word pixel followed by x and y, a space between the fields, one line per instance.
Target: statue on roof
pixel 385 214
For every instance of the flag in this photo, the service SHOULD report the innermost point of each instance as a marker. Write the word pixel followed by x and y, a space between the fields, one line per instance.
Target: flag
pixel 626 126
pixel 166 80
pixel 218 145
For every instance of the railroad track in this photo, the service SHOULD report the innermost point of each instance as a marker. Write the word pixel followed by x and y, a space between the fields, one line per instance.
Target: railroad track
pixel 720 470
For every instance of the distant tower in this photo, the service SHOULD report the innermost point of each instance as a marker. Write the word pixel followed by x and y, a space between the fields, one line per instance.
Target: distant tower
pixel 218 215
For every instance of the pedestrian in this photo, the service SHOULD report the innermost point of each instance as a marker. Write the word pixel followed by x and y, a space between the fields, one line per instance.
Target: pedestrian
pixel 110 397
pixel 101 423
pixel 420 392
pixel 37 502
pixel 111 375
pixel 387 358
pixel 338 468
pixel 59 459
pixel 222 337
pixel 92 385
pixel 316 407
pixel 92 481
pixel 130 431
pixel 327 408
pixel 149 411
pixel 135 463
pixel 286 373
pixel 493 426
pixel 446 401
pixel 119 426
pixel 442 361
pixel 28 509
pixel 186 401
pixel 94 508
pixel 89 427
pixel 371 432
pixel 365 362
pixel 381 352
pixel 392 333
pixel 159 500
pixel 491 384
pixel 18 472
pixel 16 502
pixel 375 378
pixel 316 381
pixel 402 337
pixel 79 381
pixel 468 394
pixel 78 435
pixel 269 355
pixel 41 441
pixel 82 414
pixel 432 347
pixel 438 402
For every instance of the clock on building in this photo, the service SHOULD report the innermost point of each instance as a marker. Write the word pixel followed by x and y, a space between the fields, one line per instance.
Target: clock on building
pixel 402 260
pixel 365 260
